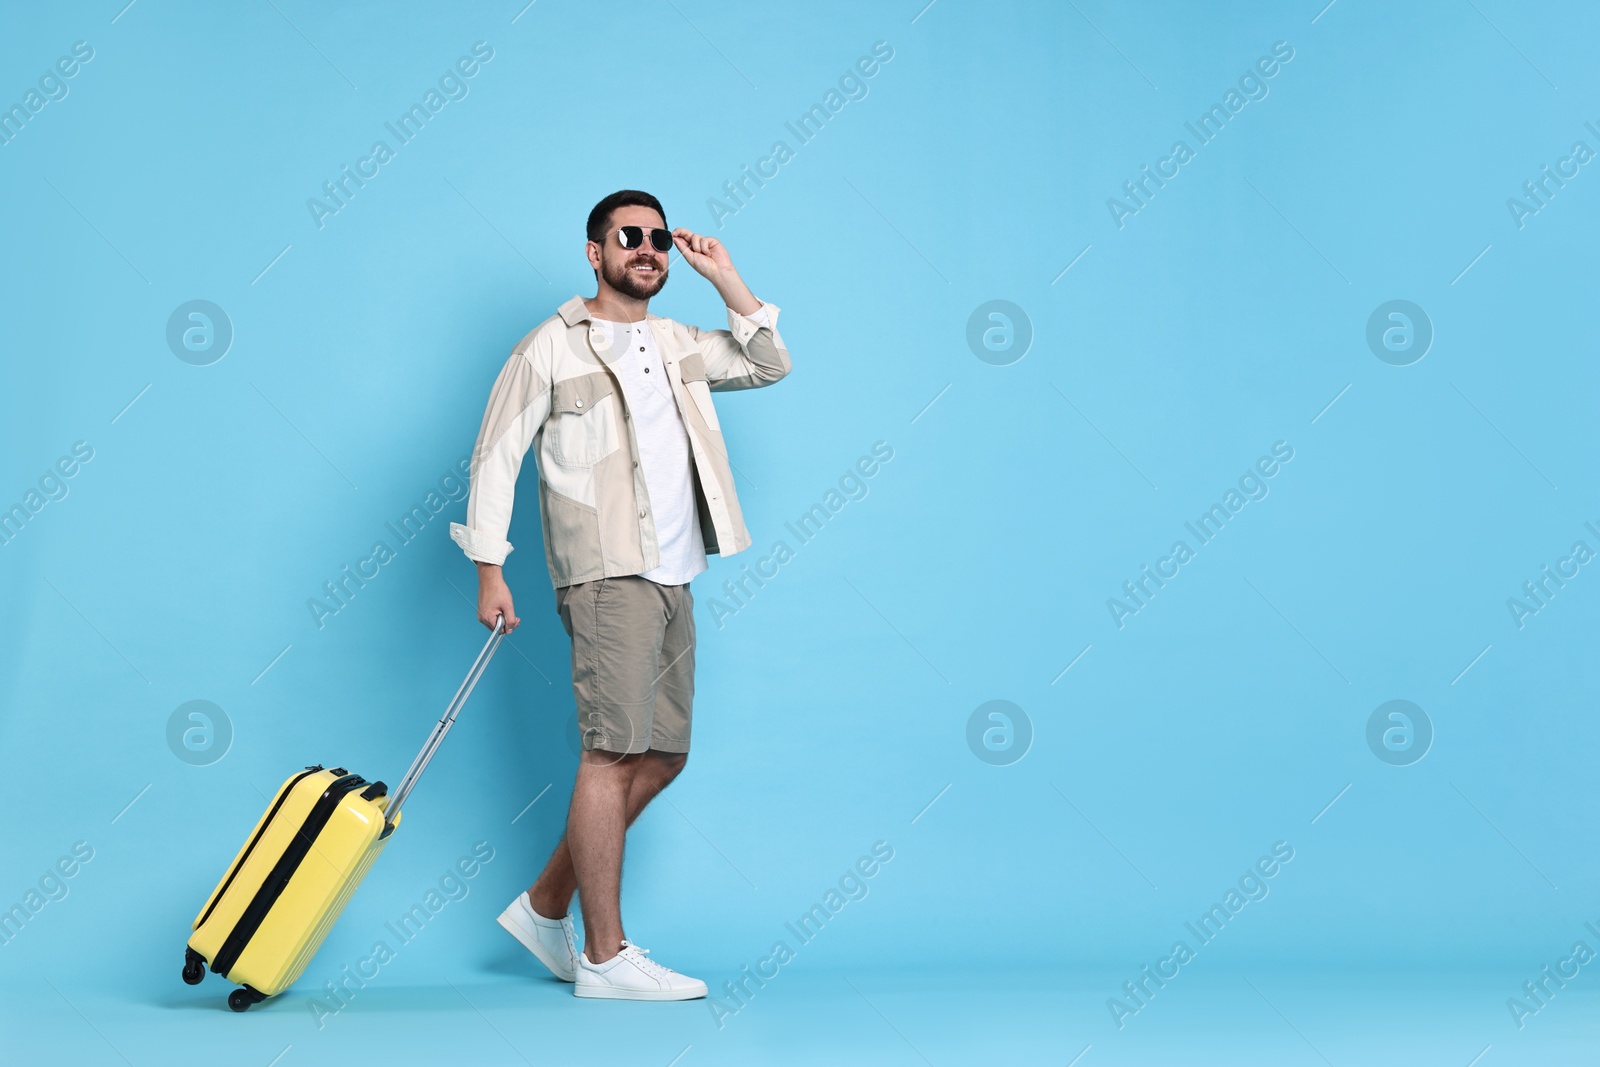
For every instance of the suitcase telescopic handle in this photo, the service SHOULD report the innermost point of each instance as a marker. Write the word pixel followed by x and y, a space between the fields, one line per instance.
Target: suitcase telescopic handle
pixel 447 720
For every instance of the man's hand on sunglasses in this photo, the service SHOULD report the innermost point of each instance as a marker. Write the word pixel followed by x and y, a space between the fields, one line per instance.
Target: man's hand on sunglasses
pixel 705 254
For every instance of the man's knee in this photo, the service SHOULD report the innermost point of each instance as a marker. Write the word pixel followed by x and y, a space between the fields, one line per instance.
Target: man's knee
pixel 669 764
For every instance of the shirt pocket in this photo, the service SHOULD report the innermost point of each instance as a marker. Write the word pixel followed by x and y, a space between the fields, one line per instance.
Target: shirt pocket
pixel 583 422
pixel 692 369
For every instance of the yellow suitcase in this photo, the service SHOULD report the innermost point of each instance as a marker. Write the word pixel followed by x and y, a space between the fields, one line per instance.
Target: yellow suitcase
pixel 310 850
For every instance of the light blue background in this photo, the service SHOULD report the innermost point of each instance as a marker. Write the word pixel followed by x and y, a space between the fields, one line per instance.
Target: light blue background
pixel 1223 317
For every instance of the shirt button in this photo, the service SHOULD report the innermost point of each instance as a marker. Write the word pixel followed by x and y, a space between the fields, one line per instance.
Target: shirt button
pixel 641 513
pixel 635 464
pixel 580 403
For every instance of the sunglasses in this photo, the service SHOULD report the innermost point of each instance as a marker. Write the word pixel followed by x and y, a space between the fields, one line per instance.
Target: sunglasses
pixel 633 237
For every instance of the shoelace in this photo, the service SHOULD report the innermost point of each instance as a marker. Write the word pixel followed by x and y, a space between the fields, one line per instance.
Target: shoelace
pixel 641 959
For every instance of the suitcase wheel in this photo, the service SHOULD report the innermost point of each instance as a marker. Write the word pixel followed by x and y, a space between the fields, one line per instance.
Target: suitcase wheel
pixel 241 999
pixel 194 966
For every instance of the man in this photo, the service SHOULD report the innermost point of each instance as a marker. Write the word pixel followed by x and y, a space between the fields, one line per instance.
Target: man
pixel 635 488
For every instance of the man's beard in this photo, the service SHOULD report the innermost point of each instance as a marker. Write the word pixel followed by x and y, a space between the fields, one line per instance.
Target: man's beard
pixel 625 280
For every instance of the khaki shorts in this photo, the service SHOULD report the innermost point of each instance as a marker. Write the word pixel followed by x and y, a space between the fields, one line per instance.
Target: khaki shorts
pixel 632 662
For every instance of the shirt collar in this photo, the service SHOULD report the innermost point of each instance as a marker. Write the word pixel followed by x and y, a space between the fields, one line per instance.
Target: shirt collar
pixel 575 311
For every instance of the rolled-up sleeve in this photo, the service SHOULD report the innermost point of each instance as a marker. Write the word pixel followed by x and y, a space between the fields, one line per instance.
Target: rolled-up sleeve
pixel 519 403
pixel 748 354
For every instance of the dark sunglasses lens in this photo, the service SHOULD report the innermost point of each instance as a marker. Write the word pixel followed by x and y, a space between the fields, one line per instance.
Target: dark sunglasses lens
pixel 662 239
pixel 630 236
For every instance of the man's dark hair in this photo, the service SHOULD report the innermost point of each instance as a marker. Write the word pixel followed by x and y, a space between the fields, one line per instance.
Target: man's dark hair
pixel 600 217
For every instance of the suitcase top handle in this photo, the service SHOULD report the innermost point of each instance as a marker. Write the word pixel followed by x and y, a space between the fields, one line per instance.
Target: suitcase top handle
pixel 446 721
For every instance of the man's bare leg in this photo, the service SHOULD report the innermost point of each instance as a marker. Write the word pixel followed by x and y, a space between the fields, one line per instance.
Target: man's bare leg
pixel 603 779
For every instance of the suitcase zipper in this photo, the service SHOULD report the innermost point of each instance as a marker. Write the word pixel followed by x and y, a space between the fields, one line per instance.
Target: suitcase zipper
pixel 251 847
pixel 273 885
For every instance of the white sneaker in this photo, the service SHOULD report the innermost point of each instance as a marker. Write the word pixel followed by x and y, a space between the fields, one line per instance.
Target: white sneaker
pixel 551 940
pixel 632 975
